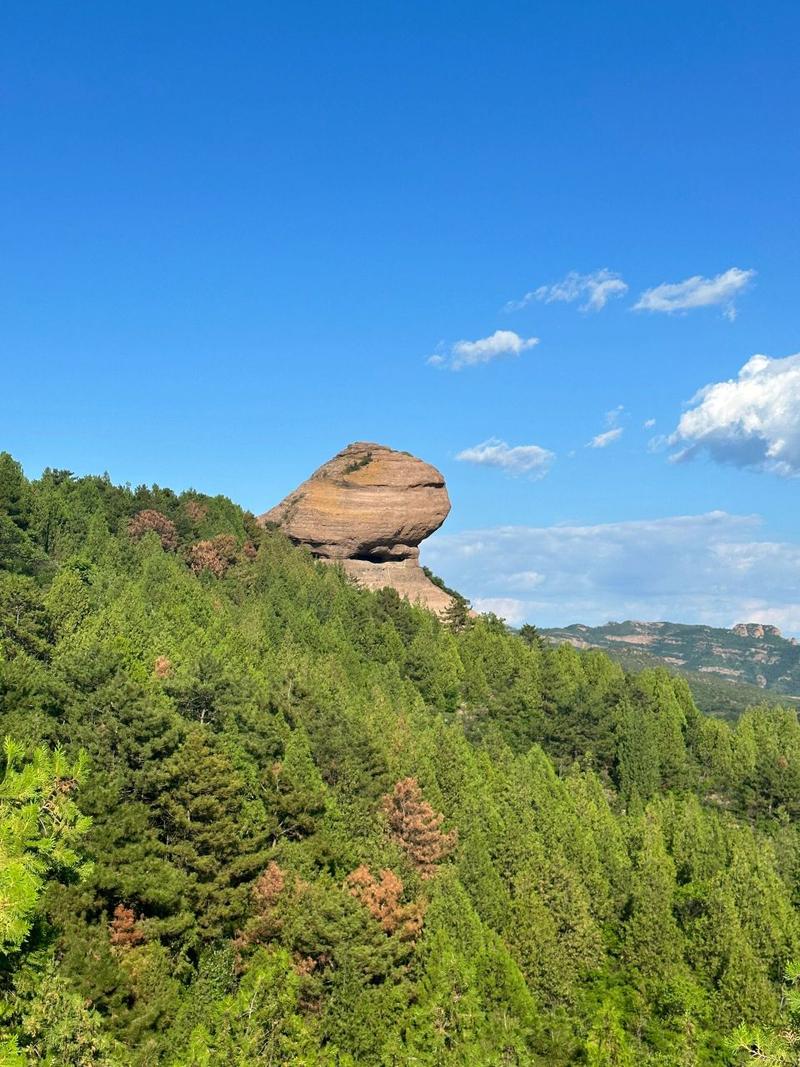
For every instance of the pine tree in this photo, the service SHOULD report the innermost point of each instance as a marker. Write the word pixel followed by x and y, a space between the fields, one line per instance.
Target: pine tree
pixel 416 827
pixel 297 791
pixel 206 836
pixel 531 636
pixel 258 1024
pixel 471 1003
pixel 15 494
pixel 638 764
pixel 607 1044
pixel 41 828
pixel 151 521
pixel 653 942
pixel 57 1026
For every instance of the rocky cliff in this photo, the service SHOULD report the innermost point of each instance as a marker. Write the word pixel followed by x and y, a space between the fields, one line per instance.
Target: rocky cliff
pixel 756 629
pixel 368 509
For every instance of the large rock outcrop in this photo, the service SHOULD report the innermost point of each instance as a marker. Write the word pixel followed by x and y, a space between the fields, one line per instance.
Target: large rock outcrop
pixel 756 629
pixel 368 508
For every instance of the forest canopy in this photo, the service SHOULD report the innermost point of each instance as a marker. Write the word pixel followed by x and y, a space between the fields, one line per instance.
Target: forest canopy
pixel 252 814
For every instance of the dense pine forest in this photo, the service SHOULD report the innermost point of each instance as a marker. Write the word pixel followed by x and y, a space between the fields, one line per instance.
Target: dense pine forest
pixel 252 814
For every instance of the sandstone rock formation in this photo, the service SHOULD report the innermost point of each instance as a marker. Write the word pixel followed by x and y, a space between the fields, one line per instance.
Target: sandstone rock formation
pixel 756 629
pixel 368 508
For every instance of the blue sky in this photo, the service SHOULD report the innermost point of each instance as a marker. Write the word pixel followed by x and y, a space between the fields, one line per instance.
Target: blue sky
pixel 234 235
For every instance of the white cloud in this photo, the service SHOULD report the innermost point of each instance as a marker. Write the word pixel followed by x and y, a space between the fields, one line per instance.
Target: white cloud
pixel 526 579
pixel 508 608
pixel 648 424
pixel 603 440
pixel 517 459
pixel 714 568
pixel 484 350
pixel 751 421
pixel 613 416
pixel 697 292
pixel 596 289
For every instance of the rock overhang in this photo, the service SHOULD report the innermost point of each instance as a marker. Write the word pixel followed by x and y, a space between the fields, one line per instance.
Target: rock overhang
pixel 369 507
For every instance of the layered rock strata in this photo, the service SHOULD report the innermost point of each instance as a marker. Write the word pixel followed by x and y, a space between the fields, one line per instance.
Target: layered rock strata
pixel 368 509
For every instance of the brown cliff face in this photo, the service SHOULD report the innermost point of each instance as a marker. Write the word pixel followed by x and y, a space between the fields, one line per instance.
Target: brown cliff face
pixel 368 508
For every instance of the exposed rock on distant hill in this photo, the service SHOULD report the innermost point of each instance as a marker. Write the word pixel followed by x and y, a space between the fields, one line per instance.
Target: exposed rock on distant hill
pixel 756 629
pixel 751 653
pixel 368 509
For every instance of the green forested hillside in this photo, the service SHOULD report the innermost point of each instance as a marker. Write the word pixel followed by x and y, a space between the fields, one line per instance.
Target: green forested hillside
pixel 725 668
pixel 254 815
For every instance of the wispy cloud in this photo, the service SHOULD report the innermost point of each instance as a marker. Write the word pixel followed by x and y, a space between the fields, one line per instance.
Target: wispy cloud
pixel 470 353
pixel 603 440
pixel 713 568
pixel 648 424
pixel 614 431
pixel 506 607
pixel 698 292
pixel 527 579
pixel 614 415
pixel 595 289
pixel 518 459
pixel 751 421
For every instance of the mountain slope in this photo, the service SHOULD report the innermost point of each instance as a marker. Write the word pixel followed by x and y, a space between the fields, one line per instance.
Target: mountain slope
pixel 750 653
pixel 330 830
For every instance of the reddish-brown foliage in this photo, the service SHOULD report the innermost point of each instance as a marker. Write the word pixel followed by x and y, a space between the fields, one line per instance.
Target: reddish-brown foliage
pixel 195 510
pixel 265 922
pixel 417 828
pixel 162 667
pixel 215 555
pixel 268 887
pixel 148 520
pixel 382 899
pixel 250 550
pixel 123 930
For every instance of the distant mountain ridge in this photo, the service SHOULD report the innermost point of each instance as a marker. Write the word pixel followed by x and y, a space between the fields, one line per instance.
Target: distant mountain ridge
pixel 753 654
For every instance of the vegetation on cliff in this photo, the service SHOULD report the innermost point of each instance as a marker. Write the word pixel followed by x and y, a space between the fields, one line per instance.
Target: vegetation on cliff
pixel 253 814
